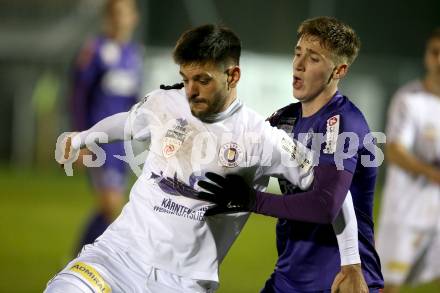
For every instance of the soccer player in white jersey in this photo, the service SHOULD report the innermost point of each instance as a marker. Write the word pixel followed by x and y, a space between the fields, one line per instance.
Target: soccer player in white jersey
pixel 162 241
pixel 409 231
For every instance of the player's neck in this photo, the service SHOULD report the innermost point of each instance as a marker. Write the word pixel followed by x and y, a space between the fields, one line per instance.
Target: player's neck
pixel 432 84
pixel 232 97
pixel 310 107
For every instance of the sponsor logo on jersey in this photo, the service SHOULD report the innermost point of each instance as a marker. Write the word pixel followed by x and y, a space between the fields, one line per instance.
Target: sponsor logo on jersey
pixel 174 138
pixel 89 274
pixel 169 206
pixel 230 155
pixel 292 149
pixel 174 186
pixel 332 133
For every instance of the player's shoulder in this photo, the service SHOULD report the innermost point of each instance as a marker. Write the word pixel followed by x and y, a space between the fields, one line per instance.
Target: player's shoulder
pixel 249 117
pixel 165 94
pixel 410 99
pixel 344 113
pixel 413 87
pixel 289 111
pixel 412 93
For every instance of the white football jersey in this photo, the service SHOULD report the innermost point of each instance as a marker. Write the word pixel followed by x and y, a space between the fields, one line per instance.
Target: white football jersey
pixel 413 123
pixel 159 227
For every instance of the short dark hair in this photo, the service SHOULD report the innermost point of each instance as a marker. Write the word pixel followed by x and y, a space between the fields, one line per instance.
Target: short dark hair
pixel 208 43
pixel 334 35
pixel 435 34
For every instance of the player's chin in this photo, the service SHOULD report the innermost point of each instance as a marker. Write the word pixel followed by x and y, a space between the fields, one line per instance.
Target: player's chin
pixel 199 113
pixel 199 109
pixel 299 95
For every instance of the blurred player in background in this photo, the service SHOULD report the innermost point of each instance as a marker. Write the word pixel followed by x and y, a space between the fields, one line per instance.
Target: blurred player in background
pixel 308 252
pixel 162 241
pixel 409 231
pixel 107 80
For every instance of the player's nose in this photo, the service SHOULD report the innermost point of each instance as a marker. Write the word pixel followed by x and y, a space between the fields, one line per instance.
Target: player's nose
pixel 192 89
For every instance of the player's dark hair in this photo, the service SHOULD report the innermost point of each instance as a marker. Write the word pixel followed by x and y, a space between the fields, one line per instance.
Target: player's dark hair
pixel 334 35
pixel 435 34
pixel 208 43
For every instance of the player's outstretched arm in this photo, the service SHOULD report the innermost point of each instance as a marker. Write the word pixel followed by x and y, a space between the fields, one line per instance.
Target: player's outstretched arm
pixel 109 129
pixel 321 204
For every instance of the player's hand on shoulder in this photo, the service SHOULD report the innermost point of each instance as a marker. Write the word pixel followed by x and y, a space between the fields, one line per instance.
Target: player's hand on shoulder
pixel 231 194
pixel 350 279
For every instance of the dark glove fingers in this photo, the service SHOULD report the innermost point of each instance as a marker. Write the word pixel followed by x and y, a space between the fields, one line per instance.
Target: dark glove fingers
pixel 213 188
pixel 218 179
pixel 210 197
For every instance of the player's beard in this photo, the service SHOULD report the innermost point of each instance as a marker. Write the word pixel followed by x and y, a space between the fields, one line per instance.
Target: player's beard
pixel 214 105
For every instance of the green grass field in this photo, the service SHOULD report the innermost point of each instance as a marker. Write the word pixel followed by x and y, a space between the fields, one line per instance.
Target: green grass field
pixel 42 213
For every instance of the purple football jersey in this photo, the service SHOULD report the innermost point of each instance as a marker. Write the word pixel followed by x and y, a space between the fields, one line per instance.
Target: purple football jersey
pixel 308 254
pixel 107 80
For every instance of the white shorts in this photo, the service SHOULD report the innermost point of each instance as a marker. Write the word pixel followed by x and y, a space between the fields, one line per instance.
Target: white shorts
pixel 408 255
pixel 97 271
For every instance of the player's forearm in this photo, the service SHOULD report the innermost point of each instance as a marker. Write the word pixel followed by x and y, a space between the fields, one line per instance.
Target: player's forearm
pixel 346 230
pixel 319 205
pixel 112 128
pixel 399 156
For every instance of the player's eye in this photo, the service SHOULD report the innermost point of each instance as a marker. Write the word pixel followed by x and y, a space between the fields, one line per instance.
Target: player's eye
pixel 314 59
pixel 204 81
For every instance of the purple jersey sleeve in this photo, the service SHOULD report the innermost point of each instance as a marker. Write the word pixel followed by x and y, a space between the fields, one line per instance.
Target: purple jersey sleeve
pixel 321 204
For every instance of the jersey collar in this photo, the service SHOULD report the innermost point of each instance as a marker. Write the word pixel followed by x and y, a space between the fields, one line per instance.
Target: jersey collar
pixel 234 107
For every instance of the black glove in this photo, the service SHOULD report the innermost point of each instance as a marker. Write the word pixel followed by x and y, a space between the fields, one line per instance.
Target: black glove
pixel 231 194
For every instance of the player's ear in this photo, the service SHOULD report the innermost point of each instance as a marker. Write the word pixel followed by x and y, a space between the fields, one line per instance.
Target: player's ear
pixel 234 76
pixel 340 71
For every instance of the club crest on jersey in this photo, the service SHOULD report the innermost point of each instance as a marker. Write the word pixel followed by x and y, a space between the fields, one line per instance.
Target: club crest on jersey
pixel 230 155
pixel 332 133
pixel 174 138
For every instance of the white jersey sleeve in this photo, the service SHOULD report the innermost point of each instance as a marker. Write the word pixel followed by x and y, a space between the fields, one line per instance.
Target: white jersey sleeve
pixel 130 125
pixel 285 157
pixel 112 127
pixel 346 230
pixel 401 126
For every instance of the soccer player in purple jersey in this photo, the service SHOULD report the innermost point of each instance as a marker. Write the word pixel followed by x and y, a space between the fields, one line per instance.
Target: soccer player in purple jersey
pixel 107 80
pixel 308 259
